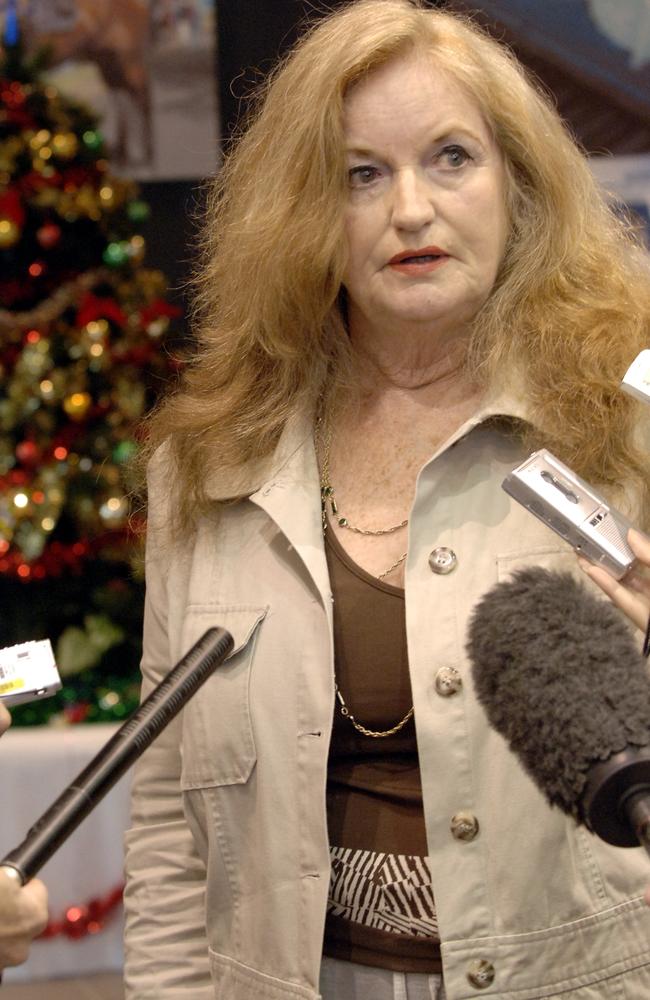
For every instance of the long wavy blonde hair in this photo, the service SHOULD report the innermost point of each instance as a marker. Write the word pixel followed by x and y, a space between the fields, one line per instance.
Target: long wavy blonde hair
pixel 569 311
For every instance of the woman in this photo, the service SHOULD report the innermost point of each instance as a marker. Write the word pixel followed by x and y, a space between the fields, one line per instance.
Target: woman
pixel 409 281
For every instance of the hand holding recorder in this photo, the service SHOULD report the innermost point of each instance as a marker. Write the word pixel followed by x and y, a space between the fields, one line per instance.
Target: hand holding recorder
pixel 5 719
pixel 631 593
pixel 23 910
pixel 612 553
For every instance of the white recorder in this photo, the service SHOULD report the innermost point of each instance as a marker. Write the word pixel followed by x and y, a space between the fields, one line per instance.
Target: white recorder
pixel 636 381
pixel 568 505
pixel 28 672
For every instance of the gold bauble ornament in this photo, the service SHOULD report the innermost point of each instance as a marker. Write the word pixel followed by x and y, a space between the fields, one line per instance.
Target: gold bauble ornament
pixel 38 139
pixel 9 233
pixel 137 248
pixel 108 195
pixel 77 405
pixel 86 201
pixel 64 145
pixel 114 510
pixel 158 326
pixel 97 329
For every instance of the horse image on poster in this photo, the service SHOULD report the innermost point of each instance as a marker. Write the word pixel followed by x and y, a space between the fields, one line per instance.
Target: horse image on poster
pixel 114 35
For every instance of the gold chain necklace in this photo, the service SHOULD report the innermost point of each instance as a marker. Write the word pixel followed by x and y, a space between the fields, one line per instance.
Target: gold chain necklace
pixel 327 496
pixel 375 733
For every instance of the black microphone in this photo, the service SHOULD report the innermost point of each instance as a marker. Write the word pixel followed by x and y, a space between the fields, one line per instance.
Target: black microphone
pixel 132 738
pixel 560 678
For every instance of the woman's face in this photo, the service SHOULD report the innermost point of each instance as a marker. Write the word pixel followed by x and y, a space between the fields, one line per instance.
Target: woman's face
pixel 426 223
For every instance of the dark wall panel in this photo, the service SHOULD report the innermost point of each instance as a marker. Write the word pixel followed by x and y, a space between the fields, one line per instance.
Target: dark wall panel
pixel 251 36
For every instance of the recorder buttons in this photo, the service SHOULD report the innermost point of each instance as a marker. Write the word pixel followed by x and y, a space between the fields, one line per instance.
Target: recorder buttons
pixel 442 560
pixel 565 489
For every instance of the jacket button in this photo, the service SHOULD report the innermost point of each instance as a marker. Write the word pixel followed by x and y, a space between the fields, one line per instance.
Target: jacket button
pixel 464 826
pixel 481 973
pixel 448 681
pixel 442 560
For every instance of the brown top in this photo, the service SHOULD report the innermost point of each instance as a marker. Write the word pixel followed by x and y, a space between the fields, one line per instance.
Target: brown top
pixel 374 794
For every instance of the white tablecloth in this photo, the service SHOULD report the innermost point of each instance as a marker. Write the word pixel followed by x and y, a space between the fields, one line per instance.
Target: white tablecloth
pixel 36 764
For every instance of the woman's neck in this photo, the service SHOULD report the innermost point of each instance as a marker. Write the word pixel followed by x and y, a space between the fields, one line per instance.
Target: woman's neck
pixel 432 373
pixel 410 354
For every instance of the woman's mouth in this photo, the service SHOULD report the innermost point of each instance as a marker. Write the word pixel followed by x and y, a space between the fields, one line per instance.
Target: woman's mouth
pixel 418 261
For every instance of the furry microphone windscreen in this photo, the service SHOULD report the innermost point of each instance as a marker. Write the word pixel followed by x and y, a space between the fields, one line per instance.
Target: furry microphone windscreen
pixel 560 678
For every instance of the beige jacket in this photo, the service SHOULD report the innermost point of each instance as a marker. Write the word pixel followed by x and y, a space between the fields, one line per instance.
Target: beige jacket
pixel 227 858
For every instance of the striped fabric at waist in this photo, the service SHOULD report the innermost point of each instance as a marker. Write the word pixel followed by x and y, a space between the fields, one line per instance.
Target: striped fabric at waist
pixel 391 892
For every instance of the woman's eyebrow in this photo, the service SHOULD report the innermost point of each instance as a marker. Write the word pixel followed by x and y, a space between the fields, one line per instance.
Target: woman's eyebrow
pixel 457 132
pixel 447 132
pixel 357 149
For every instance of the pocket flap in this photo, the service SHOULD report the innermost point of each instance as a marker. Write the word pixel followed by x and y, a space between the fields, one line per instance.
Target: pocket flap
pixel 240 620
pixel 218 746
pixel 552 558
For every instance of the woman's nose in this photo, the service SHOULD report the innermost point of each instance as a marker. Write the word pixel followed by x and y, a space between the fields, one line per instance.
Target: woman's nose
pixel 413 203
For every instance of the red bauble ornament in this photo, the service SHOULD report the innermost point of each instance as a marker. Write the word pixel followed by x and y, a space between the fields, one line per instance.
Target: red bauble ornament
pixel 48 235
pixel 75 923
pixel 12 94
pixel 76 713
pixel 37 269
pixel 28 453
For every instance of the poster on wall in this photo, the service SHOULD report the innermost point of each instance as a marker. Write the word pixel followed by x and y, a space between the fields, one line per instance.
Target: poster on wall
pixel 602 46
pixel 146 67
pixel 601 42
pixel 626 179
pixel 626 30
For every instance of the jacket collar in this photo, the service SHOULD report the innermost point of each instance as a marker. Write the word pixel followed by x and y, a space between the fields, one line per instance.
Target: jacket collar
pixel 505 399
pixel 293 462
pixel 252 476
pixel 285 484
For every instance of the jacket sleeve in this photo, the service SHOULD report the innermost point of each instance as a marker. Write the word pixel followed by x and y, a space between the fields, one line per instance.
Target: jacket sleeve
pixel 166 951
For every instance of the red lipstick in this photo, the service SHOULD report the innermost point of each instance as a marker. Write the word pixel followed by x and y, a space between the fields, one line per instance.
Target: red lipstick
pixel 418 261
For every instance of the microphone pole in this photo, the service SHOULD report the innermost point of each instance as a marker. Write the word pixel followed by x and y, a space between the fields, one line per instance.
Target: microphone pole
pixel 109 764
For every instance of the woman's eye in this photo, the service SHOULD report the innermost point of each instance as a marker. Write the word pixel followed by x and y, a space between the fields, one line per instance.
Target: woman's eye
pixel 362 175
pixel 454 156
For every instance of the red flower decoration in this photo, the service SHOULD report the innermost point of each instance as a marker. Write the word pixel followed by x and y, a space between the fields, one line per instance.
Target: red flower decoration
pixel 33 182
pixel 74 177
pixel 95 307
pixel 158 308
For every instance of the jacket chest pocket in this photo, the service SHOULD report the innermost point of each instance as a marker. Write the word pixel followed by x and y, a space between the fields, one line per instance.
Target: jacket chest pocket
pixel 218 747
pixel 562 560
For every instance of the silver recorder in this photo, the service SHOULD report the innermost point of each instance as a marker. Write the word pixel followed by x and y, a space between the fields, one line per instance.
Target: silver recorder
pixel 568 505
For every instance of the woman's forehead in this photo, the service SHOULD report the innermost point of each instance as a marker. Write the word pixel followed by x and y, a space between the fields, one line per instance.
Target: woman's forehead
pixel 410 91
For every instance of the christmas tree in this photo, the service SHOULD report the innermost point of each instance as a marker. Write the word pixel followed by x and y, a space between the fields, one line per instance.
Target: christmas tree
pixel 83 335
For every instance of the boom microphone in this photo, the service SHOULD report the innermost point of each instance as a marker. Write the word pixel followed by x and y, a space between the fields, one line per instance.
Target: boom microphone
pixel 561 679
pixel 132 738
